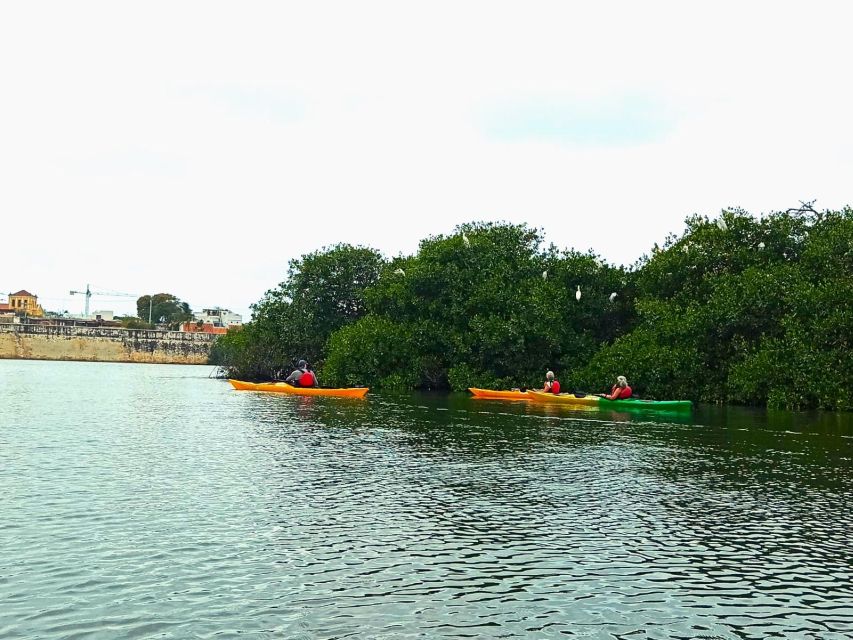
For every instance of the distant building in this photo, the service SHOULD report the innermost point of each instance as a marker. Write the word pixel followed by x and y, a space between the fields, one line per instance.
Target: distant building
pixel 219 317
pixel 202 327
pixel 25 303
pixel 102 315
pixel 7 314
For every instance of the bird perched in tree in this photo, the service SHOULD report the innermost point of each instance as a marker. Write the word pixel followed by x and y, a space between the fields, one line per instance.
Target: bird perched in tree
pixel 544 275
pixel 399 271
pixel 465 240
pixel 578 294
pixel 722 224
pixel 612 296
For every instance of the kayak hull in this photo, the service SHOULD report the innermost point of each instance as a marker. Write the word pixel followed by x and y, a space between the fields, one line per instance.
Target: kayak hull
pixel 657 405
pixel 491 394
pixel 596 401
pixel 283 387
pixel 564 398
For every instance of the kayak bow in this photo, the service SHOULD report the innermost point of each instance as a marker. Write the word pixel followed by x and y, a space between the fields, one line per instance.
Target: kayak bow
pixel 490 394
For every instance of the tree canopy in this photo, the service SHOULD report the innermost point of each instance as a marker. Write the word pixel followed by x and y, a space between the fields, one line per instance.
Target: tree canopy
pixel 743 310
pixel 163 308
pixel 323 292
pixel 736 309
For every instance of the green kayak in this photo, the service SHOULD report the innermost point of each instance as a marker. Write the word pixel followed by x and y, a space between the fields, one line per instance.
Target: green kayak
pixel 616 405
pixel 633 403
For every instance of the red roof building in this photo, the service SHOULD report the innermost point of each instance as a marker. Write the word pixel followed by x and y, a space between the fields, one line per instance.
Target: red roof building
pixel 204 327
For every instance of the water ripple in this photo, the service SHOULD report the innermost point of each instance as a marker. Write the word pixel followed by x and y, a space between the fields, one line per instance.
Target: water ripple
pixel 166 505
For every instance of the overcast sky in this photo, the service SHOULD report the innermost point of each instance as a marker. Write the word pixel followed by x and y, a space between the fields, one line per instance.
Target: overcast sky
pixel 195 147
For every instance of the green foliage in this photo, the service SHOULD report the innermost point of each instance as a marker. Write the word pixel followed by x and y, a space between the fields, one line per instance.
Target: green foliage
pixel 655 367
pixel 745 310
pixel 758 313
pixel 132 322
pixel 323 292
pixel 370 351
pixel 249 352
pixel 475 310
pixel 163 308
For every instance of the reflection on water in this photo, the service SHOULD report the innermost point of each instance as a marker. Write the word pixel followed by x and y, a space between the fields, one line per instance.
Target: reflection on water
pixel 149 501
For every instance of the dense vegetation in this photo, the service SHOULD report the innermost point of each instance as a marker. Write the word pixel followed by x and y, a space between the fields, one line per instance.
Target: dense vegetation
pixel 324 291
pixel 738 309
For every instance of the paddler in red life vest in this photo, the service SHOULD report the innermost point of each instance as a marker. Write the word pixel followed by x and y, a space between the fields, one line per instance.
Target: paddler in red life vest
pixel 303 376
pixel 620 390
pixel 551 385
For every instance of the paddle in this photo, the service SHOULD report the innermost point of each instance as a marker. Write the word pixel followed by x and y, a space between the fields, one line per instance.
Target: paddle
pixel 582 394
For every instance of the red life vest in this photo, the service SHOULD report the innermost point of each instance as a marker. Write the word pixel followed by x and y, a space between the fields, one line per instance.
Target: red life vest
pixel 623 393
pixel 306 379
pixel 555 387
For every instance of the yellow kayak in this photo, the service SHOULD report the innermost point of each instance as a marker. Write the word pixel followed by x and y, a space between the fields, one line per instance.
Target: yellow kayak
pixel 490 394
pixel 283 387
pixel 567 398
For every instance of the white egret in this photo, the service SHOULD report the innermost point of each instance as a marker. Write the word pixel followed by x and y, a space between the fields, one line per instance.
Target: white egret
pixel 544 275
pixel 399 271
pixel 612 296
pixel 465 240
pixel 760 245
pixel 578 294
pixel 722 224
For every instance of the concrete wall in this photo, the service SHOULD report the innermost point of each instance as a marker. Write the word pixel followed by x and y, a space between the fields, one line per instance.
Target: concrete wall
pixel 104 344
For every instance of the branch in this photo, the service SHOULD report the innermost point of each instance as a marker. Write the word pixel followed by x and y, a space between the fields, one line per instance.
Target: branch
pixel 805 207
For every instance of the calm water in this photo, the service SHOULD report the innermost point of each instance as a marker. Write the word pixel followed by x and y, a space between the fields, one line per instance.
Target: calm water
pixel 145 501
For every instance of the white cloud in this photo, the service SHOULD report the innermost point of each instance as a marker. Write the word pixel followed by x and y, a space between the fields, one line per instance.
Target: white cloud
pixel 196 147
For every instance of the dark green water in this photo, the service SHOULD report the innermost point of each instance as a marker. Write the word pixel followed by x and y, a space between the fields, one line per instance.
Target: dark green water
pixel 144 501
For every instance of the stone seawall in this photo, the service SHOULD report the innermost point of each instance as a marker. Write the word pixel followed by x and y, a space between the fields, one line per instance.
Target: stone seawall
pixel 104 344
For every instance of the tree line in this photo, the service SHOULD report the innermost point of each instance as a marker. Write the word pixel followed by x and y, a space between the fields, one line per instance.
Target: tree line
pixel 735 309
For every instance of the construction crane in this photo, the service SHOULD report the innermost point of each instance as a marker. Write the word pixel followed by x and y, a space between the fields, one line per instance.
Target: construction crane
pixel 89 293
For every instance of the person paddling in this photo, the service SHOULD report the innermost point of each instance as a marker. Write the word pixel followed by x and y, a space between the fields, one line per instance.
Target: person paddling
pixel 551 384
pixel 303 376
pixel 620 390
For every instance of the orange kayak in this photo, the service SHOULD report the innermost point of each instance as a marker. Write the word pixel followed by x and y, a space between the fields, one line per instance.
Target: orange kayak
pixel 283 387
pixel 490 394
